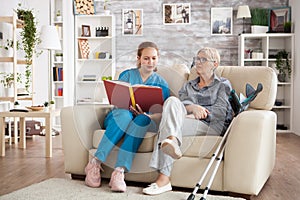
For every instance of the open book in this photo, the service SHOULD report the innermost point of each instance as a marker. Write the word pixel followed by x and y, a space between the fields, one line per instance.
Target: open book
pixel 122 95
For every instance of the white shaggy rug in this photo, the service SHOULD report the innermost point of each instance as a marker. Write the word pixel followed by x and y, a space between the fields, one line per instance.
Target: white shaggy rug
pixel 65 189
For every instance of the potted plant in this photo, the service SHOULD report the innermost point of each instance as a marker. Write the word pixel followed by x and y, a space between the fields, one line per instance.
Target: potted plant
pixel 283 65
pixel 7 47
pixel 52 104
pixel 105 4
pixel 8 82
pixel 58 16
pixel 259 20
pixel 46 106
pixel 287 27
pixel 16 104
pixel 58 57
pixel 30 38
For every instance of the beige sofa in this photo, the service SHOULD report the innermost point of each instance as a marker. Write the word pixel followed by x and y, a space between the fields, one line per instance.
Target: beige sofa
pixel 250 151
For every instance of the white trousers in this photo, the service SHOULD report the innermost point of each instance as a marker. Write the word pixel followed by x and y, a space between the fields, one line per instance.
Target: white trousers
pixel 174 122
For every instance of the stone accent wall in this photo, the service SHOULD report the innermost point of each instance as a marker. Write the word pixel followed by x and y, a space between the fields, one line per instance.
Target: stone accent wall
pixel 179 43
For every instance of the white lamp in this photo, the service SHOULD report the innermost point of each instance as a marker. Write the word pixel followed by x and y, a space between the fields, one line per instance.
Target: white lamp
pixel 243 12
pixel 49 41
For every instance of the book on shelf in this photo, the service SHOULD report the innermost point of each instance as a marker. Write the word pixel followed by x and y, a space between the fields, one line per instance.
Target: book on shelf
pixel 58 74
pixel 89 77
pixel 122 95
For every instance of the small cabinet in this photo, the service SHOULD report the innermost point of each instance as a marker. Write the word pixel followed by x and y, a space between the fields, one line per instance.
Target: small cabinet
pixel 94 57
pixel 261 50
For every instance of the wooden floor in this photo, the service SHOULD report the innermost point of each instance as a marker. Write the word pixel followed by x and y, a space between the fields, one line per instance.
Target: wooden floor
pixel 21 168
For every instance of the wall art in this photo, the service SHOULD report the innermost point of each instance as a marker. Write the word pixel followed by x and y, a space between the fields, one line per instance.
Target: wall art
pixel 132 22
pixel 178 13
pixel 84 7
pixel 277 19
pixel 221 21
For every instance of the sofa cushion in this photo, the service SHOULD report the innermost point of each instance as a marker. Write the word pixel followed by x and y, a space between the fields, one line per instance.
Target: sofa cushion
pixel 239 76
pixel 199 146
pixel 146 146
pixel 192 146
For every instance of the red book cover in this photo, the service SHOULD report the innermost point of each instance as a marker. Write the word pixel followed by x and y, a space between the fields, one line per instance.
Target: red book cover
pixel 149 98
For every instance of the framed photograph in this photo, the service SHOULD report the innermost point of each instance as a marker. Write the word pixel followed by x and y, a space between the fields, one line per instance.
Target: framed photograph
pixel 177 13
pixel 86 31
pixel 84 48
pixel 132 22
pixel 221 21
pixel 278 17
pixel 84 7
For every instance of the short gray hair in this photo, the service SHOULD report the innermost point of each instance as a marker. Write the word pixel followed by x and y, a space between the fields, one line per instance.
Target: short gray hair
pixel 211 53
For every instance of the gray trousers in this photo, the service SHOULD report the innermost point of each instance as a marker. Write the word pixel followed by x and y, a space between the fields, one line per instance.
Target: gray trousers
pixel 174 122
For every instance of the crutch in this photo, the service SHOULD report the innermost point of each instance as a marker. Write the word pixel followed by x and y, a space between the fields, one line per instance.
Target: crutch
pixel 212 159
pixel 237 107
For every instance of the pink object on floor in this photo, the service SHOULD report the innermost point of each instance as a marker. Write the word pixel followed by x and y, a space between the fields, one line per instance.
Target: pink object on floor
pixel 117 182
pixel 92 171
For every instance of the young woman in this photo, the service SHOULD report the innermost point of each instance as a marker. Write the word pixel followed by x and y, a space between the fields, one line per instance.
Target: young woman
pixel 131 125
pixel 203 105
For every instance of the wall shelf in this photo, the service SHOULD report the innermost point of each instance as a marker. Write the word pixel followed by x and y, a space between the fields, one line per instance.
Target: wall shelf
pixel 269 44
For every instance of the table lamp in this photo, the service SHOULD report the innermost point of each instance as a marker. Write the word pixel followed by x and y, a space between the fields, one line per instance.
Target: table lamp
pixel 243 12
pixel 49 41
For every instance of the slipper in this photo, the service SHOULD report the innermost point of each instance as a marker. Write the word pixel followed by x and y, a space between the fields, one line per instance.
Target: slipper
pixel 171 148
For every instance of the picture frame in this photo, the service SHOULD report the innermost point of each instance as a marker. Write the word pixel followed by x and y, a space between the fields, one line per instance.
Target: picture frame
pixel 84 7
pixel 278 17
pixel 85 31
pixel 84 48
pixel 221 21
pixel 132 22
pixel 177 14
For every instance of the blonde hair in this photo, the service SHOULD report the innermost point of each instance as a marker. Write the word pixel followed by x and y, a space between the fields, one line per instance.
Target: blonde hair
pixel 211 53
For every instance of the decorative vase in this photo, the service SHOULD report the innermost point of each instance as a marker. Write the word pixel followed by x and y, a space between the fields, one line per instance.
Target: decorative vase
pixel 281 77
pixel 46 109
pixel 58 58
pixel 59 18
pixel 52 106
pixel 107 12
pixel 259 29
pixel 9 91
pixel 6 53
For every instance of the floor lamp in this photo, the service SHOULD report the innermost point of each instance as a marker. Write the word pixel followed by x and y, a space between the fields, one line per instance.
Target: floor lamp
pixel 243 13
pixel 49 41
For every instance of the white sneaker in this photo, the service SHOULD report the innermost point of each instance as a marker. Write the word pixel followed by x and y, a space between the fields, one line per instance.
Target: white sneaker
pixel 153 189
pixel 171 148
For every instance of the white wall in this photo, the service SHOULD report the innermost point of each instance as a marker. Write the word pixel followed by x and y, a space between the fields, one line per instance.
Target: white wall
pixel 296 22
pixel 41 10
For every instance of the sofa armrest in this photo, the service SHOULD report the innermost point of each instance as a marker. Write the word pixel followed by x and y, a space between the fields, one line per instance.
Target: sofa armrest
pixel 250 151
pixel 78 124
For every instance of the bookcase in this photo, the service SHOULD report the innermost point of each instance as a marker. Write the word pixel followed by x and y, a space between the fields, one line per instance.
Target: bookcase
pixel 264 48
pixel 14 63
pixel 57 57
pixel 94 57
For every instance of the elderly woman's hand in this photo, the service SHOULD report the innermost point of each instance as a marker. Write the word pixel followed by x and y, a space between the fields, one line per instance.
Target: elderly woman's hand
pixel 198 111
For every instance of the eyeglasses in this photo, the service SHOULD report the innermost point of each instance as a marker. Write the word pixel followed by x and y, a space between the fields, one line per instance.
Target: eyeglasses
pixel 202 59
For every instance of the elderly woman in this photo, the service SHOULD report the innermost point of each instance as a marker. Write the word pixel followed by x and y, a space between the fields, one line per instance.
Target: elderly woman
pixel 202 109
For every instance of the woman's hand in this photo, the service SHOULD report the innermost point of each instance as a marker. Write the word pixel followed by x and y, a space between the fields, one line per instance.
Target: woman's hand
pixel 136 111
pixel 198 111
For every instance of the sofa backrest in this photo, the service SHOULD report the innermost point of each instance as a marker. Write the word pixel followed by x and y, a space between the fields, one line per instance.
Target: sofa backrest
pixel 175 75
pixel 178 74
pixel 239 76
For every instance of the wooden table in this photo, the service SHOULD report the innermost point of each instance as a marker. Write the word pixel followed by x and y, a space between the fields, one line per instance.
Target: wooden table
pixel 22 115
